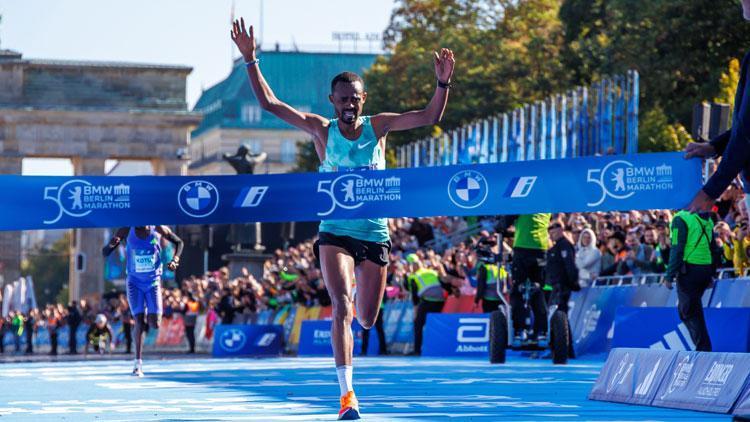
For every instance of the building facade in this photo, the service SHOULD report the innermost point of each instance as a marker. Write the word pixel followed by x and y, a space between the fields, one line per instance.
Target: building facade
pixel 89 112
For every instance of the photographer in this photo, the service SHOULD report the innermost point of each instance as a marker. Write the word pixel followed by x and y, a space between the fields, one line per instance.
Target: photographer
pixel 489 275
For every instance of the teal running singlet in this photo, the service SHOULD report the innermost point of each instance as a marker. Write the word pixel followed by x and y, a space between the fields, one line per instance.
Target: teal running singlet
pixel 364 153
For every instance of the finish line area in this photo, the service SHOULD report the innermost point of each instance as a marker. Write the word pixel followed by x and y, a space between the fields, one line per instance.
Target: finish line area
pixel 302 389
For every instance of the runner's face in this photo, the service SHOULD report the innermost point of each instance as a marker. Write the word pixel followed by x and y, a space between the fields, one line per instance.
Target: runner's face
pixel 348 99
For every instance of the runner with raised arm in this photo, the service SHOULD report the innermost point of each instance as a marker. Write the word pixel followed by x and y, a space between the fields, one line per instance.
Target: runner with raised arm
pixel 350 141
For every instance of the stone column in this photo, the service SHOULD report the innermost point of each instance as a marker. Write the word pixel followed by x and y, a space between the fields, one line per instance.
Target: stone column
pixel 10 241
pixel 87 282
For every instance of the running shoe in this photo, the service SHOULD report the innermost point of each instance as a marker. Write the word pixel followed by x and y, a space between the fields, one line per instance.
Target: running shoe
pixel 137 372
pixel 349 407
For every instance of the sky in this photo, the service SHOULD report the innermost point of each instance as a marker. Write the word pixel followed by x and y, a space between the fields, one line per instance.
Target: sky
pixel 180 32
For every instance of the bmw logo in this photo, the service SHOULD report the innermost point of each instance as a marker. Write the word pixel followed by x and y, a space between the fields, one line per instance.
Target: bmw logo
pixel 198 198
pixel 232 340
pixel 468 189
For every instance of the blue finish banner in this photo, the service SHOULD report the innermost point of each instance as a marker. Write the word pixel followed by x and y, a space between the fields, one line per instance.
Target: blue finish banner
pixel 643 181
pixel 248 340
pixel 661 328
pixel 456 335
pixel 632 375
pixel 708 382
pixel 315 339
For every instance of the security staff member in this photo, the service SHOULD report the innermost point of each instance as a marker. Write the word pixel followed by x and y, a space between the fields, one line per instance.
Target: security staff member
pixel 530 244
pixel 428 293
pixel 691 265
pixel 561 269
pixel 488 278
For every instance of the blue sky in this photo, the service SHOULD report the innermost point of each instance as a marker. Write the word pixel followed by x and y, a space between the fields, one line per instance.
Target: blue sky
pixel 184 32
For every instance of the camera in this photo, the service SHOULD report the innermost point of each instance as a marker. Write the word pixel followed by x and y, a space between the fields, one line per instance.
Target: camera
pixel 483 249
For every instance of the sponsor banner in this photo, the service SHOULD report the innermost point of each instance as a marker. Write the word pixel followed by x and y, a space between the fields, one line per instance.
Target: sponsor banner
pixel 315 339
pixel 248 340
pixel 203 334
pixel 575 304
pixel 731 293
pixel 594 329
pixel 286 316
pixel 392 315
pixel 660 328
pixel 743 404
pixel 708 382
pixel 171 331
pixel 632 375
pixel 303 314
pixel 405 331
pixel 643 181
pixel 650 295
pixel 456 335
pixel 265 317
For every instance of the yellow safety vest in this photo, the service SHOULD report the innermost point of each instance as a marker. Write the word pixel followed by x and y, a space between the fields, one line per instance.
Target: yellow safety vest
pixel 428 284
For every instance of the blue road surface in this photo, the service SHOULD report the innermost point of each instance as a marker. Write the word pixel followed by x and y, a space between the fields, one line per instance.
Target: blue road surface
pixel 305 389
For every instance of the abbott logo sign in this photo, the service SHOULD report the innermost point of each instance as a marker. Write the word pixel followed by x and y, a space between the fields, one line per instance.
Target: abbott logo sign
pixel 476 332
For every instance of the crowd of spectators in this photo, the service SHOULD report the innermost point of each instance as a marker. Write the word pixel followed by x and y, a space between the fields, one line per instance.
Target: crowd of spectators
pixel 607 244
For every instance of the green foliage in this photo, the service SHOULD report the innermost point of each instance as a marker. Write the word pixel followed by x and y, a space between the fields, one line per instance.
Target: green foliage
pixel 48 267
pixel 728 84
pixel 656 134
pixel 502 50
pixel 511 52
pixel 680 47
pixel 307 158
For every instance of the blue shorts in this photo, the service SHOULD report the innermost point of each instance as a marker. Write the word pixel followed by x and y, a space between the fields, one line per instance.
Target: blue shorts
pixel 143 295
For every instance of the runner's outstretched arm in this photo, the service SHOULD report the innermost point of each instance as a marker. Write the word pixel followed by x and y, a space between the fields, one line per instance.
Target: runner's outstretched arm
pixel 311 123
pixel 386 122
pixel 115 241
pixel 179 244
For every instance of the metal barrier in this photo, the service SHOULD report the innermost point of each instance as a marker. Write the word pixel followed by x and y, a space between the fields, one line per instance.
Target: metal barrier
pixel 651 278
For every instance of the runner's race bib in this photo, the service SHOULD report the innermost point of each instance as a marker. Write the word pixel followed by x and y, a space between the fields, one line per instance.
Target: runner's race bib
pixel 145 261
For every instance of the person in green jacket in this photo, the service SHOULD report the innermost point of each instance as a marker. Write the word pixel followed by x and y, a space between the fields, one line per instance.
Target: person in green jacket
pixel 691 264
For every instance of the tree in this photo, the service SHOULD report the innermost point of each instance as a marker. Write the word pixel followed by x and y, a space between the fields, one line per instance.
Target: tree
pixel 307 158
pixel 680 47
pixel 656 134
pixel 728 84
pixel 49 267
pixel 503 50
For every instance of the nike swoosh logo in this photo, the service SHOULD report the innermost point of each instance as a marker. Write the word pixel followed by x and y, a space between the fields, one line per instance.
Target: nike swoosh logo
pixel 362 146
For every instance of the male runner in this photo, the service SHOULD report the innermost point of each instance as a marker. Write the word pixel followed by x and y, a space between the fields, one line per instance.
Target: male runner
pixel 144 268
pixel 350 141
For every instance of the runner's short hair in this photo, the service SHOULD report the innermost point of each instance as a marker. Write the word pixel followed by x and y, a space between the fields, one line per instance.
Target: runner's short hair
pixel 347 77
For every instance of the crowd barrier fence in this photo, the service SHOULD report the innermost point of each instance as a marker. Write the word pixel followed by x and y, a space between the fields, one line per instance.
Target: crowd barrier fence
pixel 592 317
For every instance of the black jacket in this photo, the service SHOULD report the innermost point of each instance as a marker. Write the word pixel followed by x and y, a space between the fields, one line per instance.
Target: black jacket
pixel 561 266
pixel 733 145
